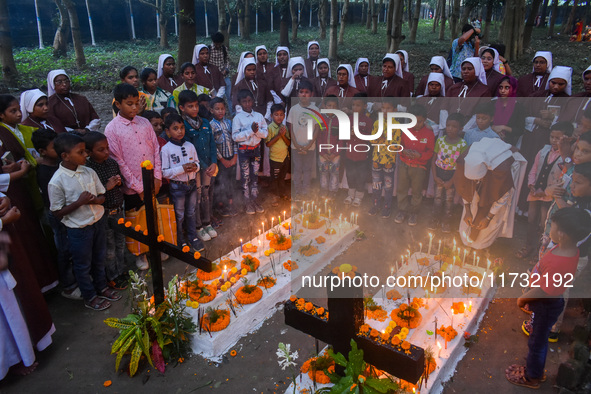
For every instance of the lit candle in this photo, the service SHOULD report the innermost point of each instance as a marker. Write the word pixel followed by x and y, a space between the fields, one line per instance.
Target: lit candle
pixel 329 213
pixel 241 248
pixel 430 243
pixel 289 228
pixel 470 307
pixel 487 265
pixel 465 309
pixel 272 220
pixel 259 233
pixel 452 318
pixel 420 247
pixel 474 259
pixel 263 223
pixel 325 205
pixel 259 242
pixel 356 218
pixel 464 259
pixel 279 219
pixel 391 271
pixel 439 248
pixel 307 207
pixel 439 346
pixel 453 251
pixel 306 224
pixel 478 261
pixel 224 274
pixel 352 216
pixel 454 263
pixel 284 216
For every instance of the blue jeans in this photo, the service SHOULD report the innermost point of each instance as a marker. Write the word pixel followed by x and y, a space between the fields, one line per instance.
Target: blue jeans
pixel 329 174
pixel 88 246
pixel 545 312
pixel 64 258
pixel 228 93
pixel 250 162
pixel 382 178
pixel 115 257
pixel 205 188
pixel 301 174
pixel 184 198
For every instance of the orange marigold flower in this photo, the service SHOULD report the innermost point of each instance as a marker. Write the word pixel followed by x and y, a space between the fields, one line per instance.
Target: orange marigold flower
pixel 120 221
pixel 138 228
pixel 396 341
pixel 233 353
pixel 160 238
pixel 146 233
pixel 197 255
pixel 186 248
pixel 107 383
pixel 301 301
pixel 127 224
pixel 309 306
pixel 405 345
pixel 320 311
pixel 364 328
pixel 374 333
pixel 181 360
pixel 293 298
pixel 385 336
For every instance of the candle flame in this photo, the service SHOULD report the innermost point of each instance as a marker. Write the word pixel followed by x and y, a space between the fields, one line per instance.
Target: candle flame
pixel 470 303
pixel 224 267
pixel 439 345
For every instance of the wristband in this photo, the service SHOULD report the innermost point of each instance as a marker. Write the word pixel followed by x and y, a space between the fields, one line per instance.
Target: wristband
pixel 489 218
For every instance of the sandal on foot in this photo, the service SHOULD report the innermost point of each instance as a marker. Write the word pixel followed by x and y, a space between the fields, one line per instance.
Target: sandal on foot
pixel 110 294
pixel 516 368
pixel 523 252
pixel 518 378
pixel 526 309
pixel 97 304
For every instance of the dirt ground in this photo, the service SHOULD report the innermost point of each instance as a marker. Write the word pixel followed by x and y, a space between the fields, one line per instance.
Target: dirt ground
pixel 79 359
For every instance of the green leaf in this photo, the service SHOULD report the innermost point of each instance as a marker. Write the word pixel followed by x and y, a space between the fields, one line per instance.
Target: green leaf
pixel 156 327
pixel 356 365
pixel 122 352
pixel 338 358
pixel 135 359
pixel 429 332
pixel 343 386
pixel 118 323
pixel 122 339
pixel 380 385
pixel 141 341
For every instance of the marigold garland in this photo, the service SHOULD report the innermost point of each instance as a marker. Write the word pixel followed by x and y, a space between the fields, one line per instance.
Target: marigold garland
pixel 315 374
pixel 378 314
pixel 249 263
pixel 406 316
pixel 233 353
pixel 458 308
pixel 393 295
pixel 120 221
pixel 279 243
pixel 198 291
pixel 330 231
pixel 244 297
pixel 267 282
pixel 222 321
pixel 249 248
pixel 309 250
pixel 290 265
pixel 448 333
pixel 209 275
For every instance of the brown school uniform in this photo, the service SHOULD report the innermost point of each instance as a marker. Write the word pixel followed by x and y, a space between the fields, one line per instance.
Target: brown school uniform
pixel 51 123
pixel 321 85
pixel 169 84
pixel 265 72
pixel 465 105
pixel 410 79
pixel 526 85
pixel 493 78
pixel 211 78
pixel 388 87
pixel 261 93
pixel 310 67
pixel 75 118
pixel 341 91
pixel 363 83
pixel 423 84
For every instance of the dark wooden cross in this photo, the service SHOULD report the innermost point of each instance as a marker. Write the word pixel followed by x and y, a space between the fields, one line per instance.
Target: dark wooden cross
pixel 151 240
pixel 346 315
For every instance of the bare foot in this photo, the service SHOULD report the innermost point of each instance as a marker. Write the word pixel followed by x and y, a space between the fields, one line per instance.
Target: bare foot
pixel 20 369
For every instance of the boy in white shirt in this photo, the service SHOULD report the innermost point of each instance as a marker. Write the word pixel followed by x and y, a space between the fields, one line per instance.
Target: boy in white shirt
pixel 248 128
pixel 180 165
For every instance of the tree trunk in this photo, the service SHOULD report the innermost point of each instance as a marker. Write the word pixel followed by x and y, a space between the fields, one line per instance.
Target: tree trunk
pixel 513 28
pixel 60 40
pixel 343 21
pixel 489 11
pixel 9 71
pixel 322 6
pixel 389 17
pixel 364 13
pixel 245 33
pixel 75 27
pixel 529 23
pixel 396 31
pixel 455 19
pixel 466 14
pixel 222 22
pixel 544 13
pixel 409 13
pixel 553 18
pixel 443 20
pixel 568 27
pixel 436 16
pixel 369 16
pixel 294 19
pixel 415 22
pixel 283 26
pixel 374 16
pixel 334 21
pixel 163 22
pixel 188 30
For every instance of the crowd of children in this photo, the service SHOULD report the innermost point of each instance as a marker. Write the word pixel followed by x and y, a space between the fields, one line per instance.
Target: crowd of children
pixel 63 173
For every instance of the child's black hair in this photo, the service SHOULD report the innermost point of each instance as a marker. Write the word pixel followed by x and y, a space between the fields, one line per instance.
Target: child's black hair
pixel 418 110
pixel 42 138
pixel 583 169
pixel 65 142
pixel 146 72
pixel 187 96
pixel 305 84
pixel 277 107
pixel 331 98
pixel 457 117
pixel 586 137
pixel 216 100
pixel 217 37
pixel 123 91
pixel 244 93
pixel 186 65
pixel 173 118
pixel 574 222
pixel 500 47
pixel 360 95
pixel 151 115
pixel 485 109
pixel 5 101
pixel 168 111
pixel 565 127
pixel 92 137
pixel 203 97
pixel 125 71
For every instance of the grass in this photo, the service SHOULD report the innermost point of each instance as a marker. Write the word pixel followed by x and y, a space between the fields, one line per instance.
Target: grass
pixel 106 59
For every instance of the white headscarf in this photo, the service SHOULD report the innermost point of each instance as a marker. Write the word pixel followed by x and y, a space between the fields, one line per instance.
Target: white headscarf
pixel 478 68
pixel 196 51
pixel 496 60
pixel 396 59
pixel 53 74
pixel 562 72
pixel 310 43
pixel 405 54
pixel 286 49
pixel 436 77
pixel 292 63
pixel 349 69
pixel 257 49
pixel 546 55
pixel 358 62
pixel 323 60
pixel 161 61
pixel 440 61
pixel 485 155
pixel 242 58
pixel 244 62
pixel 28 100
pixel 585 72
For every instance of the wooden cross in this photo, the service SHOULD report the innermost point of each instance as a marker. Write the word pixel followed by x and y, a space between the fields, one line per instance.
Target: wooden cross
pixel 151 240
pixel 346 316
